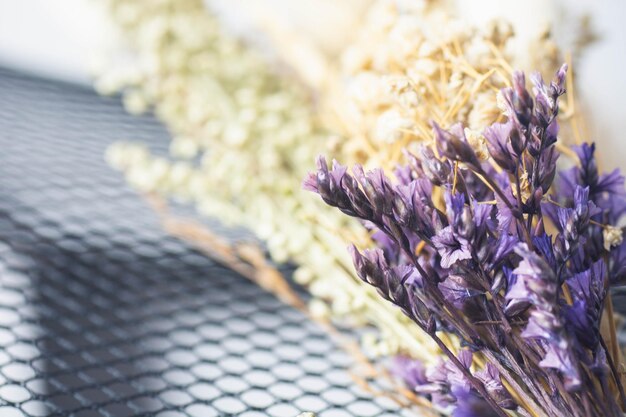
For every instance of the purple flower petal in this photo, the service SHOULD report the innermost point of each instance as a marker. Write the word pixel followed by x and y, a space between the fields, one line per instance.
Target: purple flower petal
pixel 452 248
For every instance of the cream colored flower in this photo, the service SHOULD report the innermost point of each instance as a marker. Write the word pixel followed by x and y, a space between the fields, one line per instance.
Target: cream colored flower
pixel 184 147
pixel 612 237
pixel 484 111
pixel 391 126
pixel 135 102
pixel 404 91
pixel 501 103
pixel 478 143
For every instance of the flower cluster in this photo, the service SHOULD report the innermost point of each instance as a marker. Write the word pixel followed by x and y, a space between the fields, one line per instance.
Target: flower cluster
pixel 500 252
pixel 414 62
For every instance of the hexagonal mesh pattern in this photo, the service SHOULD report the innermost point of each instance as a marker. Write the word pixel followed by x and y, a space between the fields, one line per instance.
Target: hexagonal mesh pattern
pixel 103 314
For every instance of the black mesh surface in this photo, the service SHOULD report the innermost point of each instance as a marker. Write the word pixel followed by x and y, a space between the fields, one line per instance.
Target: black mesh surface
pixel 103 314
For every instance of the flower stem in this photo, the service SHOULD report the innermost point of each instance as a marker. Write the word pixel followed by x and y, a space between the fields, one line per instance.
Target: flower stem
pixel 614 371
pixel 476 384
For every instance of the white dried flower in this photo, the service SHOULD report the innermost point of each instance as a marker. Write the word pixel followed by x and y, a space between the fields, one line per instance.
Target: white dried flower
pixel 183 147
pixel 501 103
pixel 612 237
pixel 478 143
pixel 135 102
pixel 483 112
pixel 319 309
pixel 391 126
pixel 404 91
pixel 366 88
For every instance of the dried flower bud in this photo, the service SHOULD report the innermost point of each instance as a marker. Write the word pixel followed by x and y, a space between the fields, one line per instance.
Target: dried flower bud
pixel 478 143
pixel 437 171
pixel 612 237
pixel 454 147
pixel 498 144
pixel 522 103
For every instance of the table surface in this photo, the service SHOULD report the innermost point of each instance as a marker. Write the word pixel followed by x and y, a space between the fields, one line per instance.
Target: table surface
pixel 103 314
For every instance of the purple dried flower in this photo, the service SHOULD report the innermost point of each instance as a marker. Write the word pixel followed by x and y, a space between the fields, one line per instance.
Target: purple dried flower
pixel 455 204
pixel 560 358
pixel 404 174
pixel 459 383
pixel 543 244
pixel 521 104
pixel 573 223
pixel 376 188
pixel 505 204
pixel 537 285
pixel 588 291
pixel 504 246
pixel 547 167
pixel 457 290
pixel 435 170
pixel 447 386
pixel 491 378
pixel 607 193
pixel 451 247
pixel 410 371
pixel 470 405
pixel 535 279
pixel 486 270
pixel 453 145
pixel 446 382
pixel 499 147
pixel 438 386
pixel 388 246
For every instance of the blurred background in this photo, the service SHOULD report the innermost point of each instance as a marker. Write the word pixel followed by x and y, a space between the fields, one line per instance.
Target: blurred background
pixel 67 41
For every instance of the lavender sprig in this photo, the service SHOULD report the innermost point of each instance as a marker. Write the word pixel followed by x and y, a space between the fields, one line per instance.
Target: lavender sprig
pixel 479 264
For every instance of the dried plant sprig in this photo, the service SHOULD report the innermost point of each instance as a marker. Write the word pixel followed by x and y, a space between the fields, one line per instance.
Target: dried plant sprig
pixel 207 107
pixel 528 303
pixel 415 63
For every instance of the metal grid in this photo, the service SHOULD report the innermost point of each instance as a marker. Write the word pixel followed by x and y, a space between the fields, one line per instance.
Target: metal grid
pixel 103 314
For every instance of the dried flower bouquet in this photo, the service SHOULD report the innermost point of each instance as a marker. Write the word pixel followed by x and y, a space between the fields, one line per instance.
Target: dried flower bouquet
pixel 227 118
pixel 516 260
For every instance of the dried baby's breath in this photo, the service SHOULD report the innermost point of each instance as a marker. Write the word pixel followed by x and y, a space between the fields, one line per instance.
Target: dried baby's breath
pixel 414 65
pixel 243 139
